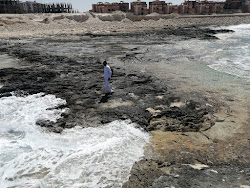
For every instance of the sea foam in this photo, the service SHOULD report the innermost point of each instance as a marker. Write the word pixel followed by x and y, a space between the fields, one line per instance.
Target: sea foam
pixel 234 55
pixel 89 157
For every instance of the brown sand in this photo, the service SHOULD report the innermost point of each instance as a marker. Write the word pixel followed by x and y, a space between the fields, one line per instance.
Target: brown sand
pixel 40 25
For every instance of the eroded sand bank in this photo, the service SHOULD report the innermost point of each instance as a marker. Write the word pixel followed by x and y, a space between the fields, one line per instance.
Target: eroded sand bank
pixel 40 25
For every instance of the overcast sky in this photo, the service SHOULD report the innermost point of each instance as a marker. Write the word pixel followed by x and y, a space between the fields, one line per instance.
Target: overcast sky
pixel 85 5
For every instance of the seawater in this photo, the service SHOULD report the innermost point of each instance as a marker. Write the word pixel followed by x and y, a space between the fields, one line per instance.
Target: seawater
pixel 232 52
pixel 90 157
pixel 221 66
pixel 8 62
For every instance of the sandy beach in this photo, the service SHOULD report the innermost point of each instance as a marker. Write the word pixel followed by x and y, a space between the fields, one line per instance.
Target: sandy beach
pixel 199 127
pixel 41 25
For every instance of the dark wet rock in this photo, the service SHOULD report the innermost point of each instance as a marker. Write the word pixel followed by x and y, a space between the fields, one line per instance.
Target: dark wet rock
pixel 203 33
pixel 82 84
pixel 186 118
pixel 52 126
pixel 196 32
pixel 214 176
pixel 145 174
pixel 147 101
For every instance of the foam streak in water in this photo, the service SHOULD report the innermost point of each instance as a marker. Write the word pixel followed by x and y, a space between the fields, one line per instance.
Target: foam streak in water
pixel 235 59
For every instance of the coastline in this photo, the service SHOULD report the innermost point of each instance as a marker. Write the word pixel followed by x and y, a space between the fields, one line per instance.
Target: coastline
pixel 42 25
pixel 168 151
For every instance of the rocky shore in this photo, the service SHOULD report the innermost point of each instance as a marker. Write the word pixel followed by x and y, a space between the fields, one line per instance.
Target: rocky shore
pixel 64 58
pixel 142 98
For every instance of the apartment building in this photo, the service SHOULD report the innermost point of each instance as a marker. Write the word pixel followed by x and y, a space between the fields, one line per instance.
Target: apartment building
pixel 9 7
pixel 110 7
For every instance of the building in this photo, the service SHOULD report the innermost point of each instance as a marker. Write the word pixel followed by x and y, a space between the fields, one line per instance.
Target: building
pixel 217 7
pixel 173 9
pixel 17 7
pixel 110 7
pixel 236 5
pixel 105 7
pixel 157 6
pixel 9 7
pixel 139 8
pixel 31 7
pixel 188 7
pixel 24 7
pixel 246 7
pixel 209 7
pixel 124 7
pixel 57 8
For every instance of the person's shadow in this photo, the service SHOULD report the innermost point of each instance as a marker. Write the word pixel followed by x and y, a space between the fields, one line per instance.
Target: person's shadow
pixel 105 98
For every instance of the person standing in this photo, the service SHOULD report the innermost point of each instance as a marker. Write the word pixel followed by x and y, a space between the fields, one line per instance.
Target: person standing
pixel 107 77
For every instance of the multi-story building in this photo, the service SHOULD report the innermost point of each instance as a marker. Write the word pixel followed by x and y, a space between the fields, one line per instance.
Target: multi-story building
pixel 139 8
pixel 246 6
pixel 209 7
pixel 237 5
pixel 124 6
pixel 9 6
pixel 234 4
pixel 158 6
pixel 57 8
pixel 217 7
pixel 15 6
pixel 188 7
pixel 24 7
pixel 110 7
pixel 31 7
pixel 173 9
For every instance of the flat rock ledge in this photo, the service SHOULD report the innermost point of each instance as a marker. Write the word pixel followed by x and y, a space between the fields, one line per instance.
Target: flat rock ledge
pixel 81 85
pixel 182 159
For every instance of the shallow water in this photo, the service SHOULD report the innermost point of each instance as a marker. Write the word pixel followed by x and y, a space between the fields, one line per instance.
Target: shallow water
pixel 219 66
pixel 232 54
pixel 90 157
pixel 8 62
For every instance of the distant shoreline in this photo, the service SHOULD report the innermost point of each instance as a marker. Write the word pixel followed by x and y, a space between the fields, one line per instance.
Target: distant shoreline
pixel 44 25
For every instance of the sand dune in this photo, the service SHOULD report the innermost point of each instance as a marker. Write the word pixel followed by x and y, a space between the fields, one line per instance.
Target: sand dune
pixel 39 25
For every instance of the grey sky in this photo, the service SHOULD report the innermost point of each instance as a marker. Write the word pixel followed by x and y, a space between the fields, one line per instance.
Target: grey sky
pixel 85 5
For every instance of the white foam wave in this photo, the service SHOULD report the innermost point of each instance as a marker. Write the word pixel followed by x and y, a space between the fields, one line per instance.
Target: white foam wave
pixel 90 157
pixel 232 52
pixel 242 30
pixel 238 67
pixel 239 27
